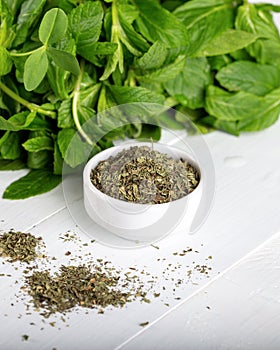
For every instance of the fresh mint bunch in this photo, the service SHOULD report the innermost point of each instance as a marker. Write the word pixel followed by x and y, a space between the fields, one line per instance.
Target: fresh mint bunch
pixel 63 62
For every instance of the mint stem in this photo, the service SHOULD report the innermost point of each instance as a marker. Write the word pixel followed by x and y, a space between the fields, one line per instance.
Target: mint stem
pixel 75 101
pixel 31 106
pixel 20 54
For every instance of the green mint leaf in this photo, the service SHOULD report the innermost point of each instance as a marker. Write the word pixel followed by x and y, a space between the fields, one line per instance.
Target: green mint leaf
pixel 248 76
pixel 232 106
pixel 134 42
pixel 34 183
pixel 85 23
pixel 105 100
pixel 266 49
pixel 35 69
pixel 115 59
pixel 19 65
pixel 18 121
pixel 64 139
pixel 16 164
pixel 128 12
pixel 231 113
pixel 58 78
pixel 53 26
pixel 166 120
pixel 231 127
pixel 99 48
pixel 39 160
pixel 156 23
pixel 126 94
pixel 64 117
pixel 267 115
pixel 89 96
pixel 11 147
pixel 73 149
pixel 7 33
pixel 58 160
pixel 6 62
pixel 165 73
pixel 226 42
pixel 29 13
pixel 10 7
pixel 39 143
pixel 24 121
pixel 112 63
pixel 154 58
pixel 85 113
pixel 189 86
pixel 121 33
pixel 3 139
pixel 130 99
pixel 267 7
pixel 205 20
pixel 64 60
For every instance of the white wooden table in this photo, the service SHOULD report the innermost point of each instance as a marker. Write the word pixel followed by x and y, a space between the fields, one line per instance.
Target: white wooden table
pixel 236 307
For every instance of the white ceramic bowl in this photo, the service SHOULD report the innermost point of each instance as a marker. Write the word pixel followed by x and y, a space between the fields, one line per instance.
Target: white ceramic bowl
pixel 140 222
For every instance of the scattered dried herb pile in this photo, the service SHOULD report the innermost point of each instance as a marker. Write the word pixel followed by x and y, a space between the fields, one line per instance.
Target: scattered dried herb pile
pixel 91 283
pixel 77 286
pixel 19 246
pixel 143 175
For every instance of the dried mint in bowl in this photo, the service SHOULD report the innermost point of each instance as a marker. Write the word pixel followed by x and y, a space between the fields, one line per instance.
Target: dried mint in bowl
pixel 143 175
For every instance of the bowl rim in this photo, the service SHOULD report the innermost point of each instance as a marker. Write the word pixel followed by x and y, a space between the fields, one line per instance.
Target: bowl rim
pixel 94 189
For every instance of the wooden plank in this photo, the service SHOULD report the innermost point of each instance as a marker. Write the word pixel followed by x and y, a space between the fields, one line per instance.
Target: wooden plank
pixel 23 214
pixel 239 310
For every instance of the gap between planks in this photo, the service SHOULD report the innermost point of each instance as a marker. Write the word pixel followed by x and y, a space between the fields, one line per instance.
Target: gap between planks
pixel 46 218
